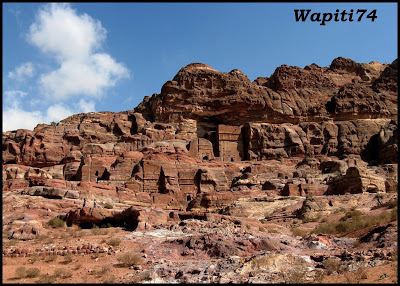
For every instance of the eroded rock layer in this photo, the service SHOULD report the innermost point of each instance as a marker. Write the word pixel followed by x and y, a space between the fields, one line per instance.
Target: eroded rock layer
pixel 211 138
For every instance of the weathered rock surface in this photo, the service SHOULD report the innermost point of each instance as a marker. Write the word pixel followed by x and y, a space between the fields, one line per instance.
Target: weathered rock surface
pixel 215 142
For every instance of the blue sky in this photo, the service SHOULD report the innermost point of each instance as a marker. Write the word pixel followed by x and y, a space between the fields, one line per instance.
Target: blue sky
pixel 63 59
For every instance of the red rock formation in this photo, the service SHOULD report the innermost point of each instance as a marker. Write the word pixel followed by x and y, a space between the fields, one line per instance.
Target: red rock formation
pixel 211 137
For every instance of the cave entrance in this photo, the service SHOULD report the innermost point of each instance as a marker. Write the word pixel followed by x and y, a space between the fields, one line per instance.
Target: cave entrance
pixel 161 184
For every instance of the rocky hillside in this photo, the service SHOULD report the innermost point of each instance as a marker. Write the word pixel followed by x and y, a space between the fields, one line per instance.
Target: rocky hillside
pixel 211 133
pixel 214 151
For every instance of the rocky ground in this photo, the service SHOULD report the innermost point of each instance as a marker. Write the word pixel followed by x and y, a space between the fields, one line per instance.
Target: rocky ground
pixel 288 179
pixel 197 247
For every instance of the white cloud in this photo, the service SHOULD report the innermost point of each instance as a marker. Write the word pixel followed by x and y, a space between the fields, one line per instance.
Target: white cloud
pixel 83 70
pixel 73 40
pixel 22 72
pixel 12 97
pixel 58 112
pixel 14 117
pixel 86 106
pixel 88 77
pixel 60 31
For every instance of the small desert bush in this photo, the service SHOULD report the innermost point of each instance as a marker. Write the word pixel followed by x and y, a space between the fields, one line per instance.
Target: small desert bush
pixel 298 232
pixel 50 258
pixel 20 272
pixel 354 214
pixel 262 221
pixel 56 222
pixel 104 269
pixel 64 236
pixel 325 228
pixel 46 279
pixel 34 258
pixel 261 229
pixel 96 230
pixel 85 278
pixel 32 272
pixel 49 241
pixel 354 220
pixel 107 225
pixel 110 279
pixel 319 276
pixel 67 259
pixel 393 214
pixel 392 203
pixel 62 273
pixel 309 219
pixel 129 259
pixel 108 206
pixel 341 210
pixel 78 266
pixel 333 265
pixel 11 242
pixel 114 242
pixel 296 275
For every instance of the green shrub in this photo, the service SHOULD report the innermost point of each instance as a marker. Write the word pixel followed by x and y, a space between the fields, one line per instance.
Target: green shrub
pixel 354 220
pixel 309 219
pixel 296 275
pixel 392 203
pixel 20 272
pixel 46 279
pixel 104 269
pixel 50 258
pixel 343 227
pixel 32 272
pixel 109 206
pixel 114 242
pixel 393 214
pixel 11 242
pixel 324 228
pixel 297 231
pixel 96 230
pixel 34 258
pixel 333 265
pixel 110 279
pixel 129 259
pixel 57 223
pixel 67 259
pixel 62 273
pixel 355 214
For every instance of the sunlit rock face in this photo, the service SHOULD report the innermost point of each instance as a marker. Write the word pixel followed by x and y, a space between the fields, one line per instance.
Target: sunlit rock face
pixel 211 138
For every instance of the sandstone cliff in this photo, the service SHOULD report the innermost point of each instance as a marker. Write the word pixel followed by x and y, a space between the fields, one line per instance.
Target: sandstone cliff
pixel 210 138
